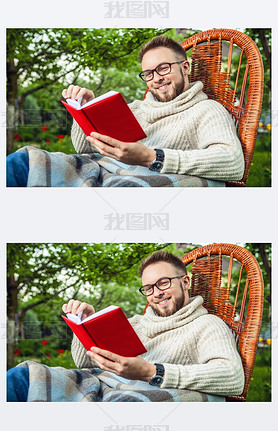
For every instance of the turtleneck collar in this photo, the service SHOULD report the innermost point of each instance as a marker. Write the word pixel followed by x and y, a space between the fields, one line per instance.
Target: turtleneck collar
pixel 154 110
pixel 154 324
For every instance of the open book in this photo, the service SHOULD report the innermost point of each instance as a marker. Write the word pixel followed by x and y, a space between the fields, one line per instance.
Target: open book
pixel 109 115
pixel 108 329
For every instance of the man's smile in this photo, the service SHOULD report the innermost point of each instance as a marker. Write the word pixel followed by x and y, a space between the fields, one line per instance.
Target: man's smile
pixel 163 301
pixel 163 87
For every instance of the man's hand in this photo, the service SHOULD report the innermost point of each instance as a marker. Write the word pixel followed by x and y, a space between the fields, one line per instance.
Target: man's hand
pixel 75 307
pixel 131 153
pixel 129 368
pixel 74 92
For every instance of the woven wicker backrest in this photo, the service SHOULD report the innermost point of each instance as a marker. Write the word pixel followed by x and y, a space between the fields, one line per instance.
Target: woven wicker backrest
pixel 214 68
pixel 239 304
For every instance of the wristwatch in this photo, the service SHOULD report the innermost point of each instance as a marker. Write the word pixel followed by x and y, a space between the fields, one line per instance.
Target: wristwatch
pixel 157 164
pixel 157 378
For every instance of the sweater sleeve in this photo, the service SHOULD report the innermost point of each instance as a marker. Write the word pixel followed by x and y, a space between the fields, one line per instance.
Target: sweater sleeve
pixel 219 154
pixel 79 140
pixel 78 351
pixel 218 369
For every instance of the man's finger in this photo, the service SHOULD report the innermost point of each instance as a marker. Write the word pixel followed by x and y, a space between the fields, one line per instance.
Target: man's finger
pixel 106 354
pixel 103 363
pixel 75 91
pixel 103 148
pixel 107 139
pixel 75 307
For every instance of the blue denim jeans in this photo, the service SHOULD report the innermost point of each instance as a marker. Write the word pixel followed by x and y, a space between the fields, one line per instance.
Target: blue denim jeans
pixel 17 169
pixel 17 384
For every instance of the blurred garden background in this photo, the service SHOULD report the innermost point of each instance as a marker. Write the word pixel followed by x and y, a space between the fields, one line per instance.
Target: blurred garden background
pixel 41 277
pixel 41 62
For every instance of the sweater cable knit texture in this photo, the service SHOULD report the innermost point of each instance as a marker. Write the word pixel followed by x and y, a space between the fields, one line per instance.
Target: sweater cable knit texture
pixel 198 135
pixel 197 349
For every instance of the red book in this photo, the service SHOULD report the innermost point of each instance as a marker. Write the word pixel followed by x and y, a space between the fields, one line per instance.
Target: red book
pixel 108 329
pixel 109 115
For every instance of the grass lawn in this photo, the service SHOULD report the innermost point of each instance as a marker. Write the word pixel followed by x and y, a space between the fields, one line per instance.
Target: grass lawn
pixel 260 171
pixel 260 386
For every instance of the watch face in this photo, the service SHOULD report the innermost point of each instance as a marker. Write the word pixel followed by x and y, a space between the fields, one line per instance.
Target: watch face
pixel 156 166
pixel 157 380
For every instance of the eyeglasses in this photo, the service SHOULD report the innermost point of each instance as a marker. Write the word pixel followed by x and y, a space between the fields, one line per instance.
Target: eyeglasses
pixel 162 69
pixel 162 284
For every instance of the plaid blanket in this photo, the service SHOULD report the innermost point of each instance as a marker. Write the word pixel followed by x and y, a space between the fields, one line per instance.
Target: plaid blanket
pixel 56 384
pixel 93 170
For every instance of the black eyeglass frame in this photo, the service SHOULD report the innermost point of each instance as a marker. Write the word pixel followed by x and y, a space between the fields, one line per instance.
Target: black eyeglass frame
pixel 142 289
pixel 142 74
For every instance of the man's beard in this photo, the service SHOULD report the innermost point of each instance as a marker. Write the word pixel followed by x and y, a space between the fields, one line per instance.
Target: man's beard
pixel 177 305
pixel 178 89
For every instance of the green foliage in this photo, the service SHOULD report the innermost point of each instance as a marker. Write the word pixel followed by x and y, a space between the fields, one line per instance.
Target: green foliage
pixel 46 54
pixel 46 60
pixel 31 111
pixel 260 385
pixel 51 139
pixel 31 326
pixel 61 360
pixel 50 353
pixel 254 34
pixel 44 272
pixel 27 348
pixel 264 357
pixel 63 145
pixel 260 171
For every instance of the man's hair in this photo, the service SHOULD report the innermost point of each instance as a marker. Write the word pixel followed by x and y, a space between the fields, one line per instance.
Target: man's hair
pixel 162 256
pixel 165 41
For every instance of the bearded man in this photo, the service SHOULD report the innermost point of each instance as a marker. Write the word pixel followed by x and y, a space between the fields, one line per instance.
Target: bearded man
pixel 190 139
pixel 190 353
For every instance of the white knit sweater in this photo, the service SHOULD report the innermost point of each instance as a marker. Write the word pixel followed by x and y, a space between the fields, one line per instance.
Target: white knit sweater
pixel 197 135
pixel 197 350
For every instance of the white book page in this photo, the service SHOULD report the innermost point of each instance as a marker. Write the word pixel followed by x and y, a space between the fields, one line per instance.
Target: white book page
pixel 78 321
pixel 77 103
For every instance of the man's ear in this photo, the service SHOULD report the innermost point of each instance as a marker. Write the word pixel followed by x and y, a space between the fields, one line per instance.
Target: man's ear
pixel 186 282
pixel 186 67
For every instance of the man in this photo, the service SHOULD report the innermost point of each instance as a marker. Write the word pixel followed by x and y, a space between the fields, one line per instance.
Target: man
pixel 188 136
pixel 187 349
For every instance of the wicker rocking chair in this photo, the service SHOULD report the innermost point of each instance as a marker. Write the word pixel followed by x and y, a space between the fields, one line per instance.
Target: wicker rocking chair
pixel 239 306
pixel 244 99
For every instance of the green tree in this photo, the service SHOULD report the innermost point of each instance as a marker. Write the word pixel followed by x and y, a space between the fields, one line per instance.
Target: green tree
pixel 43 276
pixel 38 58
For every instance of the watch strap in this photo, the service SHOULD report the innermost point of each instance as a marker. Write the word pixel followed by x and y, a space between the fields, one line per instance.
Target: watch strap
pixel 159 155
pixel 157 163
pixel 160 370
